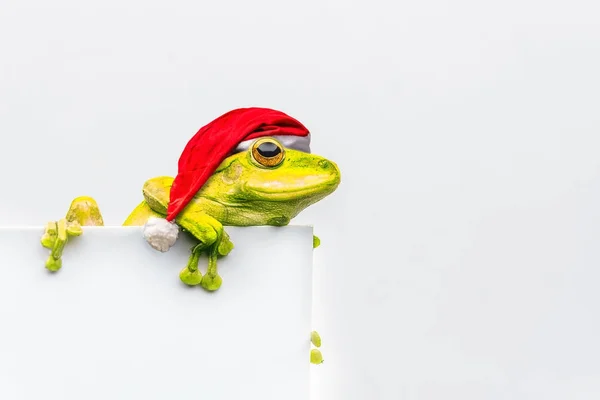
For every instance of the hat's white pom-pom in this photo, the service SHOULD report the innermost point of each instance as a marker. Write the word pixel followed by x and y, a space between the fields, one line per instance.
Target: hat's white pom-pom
pixel 160 233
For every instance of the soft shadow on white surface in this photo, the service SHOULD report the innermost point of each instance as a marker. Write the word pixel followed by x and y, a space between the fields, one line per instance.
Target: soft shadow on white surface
pixel 116 322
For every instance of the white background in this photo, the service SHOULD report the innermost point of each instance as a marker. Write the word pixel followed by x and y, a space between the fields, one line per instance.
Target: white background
pixel 458 256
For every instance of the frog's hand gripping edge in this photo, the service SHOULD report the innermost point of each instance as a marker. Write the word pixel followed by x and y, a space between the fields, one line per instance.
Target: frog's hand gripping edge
pixel 83 211
pixel 56 235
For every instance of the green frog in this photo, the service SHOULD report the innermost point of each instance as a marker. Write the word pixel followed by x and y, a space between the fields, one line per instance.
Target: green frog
pixel 265 184
pixel 249 167
pixel 241 192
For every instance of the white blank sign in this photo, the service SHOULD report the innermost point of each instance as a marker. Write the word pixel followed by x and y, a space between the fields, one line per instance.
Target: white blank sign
pixel 116 323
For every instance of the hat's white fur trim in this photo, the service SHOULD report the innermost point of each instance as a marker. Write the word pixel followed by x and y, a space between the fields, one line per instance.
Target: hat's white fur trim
pixel 300 143
pixel 160 233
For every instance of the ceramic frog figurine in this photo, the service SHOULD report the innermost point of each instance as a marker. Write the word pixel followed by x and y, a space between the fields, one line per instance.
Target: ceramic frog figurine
pixel 248 167
pixel 244 191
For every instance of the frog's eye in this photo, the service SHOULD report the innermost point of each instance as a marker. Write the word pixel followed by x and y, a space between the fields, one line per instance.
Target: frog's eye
pixel 268 152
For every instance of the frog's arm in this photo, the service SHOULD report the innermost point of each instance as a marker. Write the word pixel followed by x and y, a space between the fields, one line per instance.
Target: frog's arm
pixel 213 238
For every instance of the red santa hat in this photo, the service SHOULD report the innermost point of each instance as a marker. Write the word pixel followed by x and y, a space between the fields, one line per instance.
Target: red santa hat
pixel 230 133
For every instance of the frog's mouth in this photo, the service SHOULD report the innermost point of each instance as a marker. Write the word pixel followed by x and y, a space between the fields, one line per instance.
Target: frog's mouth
pixel 295 187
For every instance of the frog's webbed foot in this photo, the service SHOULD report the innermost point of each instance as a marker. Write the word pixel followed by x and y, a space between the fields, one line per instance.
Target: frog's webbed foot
pixel 83 211
pixel 214 241
pixel 211 281
pixel 315 354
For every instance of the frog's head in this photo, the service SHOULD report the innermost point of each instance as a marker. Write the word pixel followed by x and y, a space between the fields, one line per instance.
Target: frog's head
pixel 277 180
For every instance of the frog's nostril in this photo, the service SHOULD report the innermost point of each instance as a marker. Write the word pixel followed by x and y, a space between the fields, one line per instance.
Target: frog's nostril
pixel 324 164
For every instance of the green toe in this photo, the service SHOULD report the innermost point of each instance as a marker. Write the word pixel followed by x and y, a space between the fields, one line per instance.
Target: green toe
pixel 190 278
pixel 49 237
pixel 225 246
pixel 316 357
pixel 53 264
pixel 211 282
pixel 315 338
pixel 74 229
pixel 48 241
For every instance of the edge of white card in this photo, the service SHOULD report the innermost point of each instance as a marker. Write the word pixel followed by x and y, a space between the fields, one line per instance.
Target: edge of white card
pixel 116 322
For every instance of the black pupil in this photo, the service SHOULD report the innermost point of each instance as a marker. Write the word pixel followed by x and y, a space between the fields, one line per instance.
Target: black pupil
pixel 268 149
